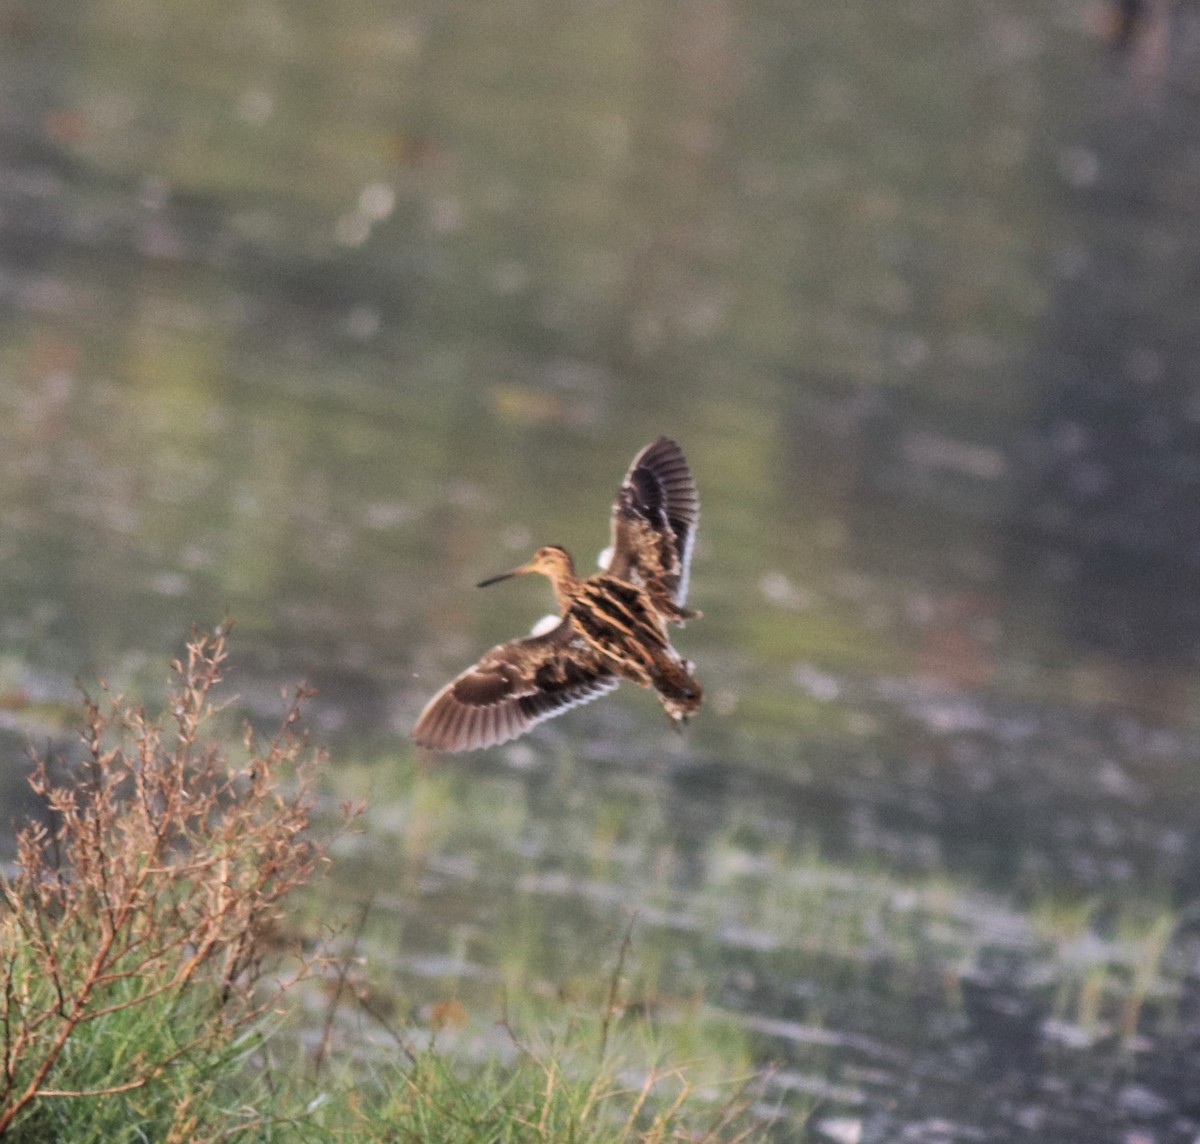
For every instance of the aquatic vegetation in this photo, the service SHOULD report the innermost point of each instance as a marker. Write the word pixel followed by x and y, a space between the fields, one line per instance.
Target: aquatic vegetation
pixel 593 1067
pixel 755 944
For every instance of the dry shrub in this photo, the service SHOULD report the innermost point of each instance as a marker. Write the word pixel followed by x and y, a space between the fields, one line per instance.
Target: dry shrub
pixel 151 891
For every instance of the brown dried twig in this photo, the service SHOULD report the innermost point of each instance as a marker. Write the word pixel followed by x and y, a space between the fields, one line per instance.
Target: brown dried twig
pixel 163 865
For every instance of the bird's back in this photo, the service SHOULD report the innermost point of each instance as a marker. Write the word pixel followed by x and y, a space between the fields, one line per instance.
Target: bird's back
pixel 619 619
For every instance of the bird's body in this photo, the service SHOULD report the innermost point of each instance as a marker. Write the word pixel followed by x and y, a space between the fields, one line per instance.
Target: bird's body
pixel 625 625
pixel 613 625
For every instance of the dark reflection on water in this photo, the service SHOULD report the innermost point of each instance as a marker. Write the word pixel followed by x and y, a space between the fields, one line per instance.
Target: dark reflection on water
pixel 324 328
pixel 1108 513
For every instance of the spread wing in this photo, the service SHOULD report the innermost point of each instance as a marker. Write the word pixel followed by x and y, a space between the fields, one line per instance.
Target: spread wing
pixel 654 521
pixel 513 687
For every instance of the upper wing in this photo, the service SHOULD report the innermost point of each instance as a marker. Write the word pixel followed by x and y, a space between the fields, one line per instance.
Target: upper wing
pixel 513 687
pixel 654 521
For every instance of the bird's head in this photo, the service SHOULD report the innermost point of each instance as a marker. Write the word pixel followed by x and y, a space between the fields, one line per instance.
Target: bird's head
pixel 551 561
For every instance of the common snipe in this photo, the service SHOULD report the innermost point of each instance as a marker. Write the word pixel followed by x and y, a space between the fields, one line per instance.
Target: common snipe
pixel 613 625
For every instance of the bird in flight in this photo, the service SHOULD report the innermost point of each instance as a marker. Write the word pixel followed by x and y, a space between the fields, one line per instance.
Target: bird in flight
pixel 613 625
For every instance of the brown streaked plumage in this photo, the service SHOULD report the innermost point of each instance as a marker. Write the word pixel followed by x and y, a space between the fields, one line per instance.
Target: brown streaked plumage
pixel 613 625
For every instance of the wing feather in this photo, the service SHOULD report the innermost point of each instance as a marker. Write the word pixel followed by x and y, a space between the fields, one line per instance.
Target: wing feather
pixel 654 521
pixel 512 688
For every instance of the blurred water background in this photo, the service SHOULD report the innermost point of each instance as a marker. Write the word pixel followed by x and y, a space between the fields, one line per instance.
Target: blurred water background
pixel 314 315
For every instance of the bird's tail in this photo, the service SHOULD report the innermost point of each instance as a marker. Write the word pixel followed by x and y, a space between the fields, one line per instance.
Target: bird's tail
pixel 678 690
